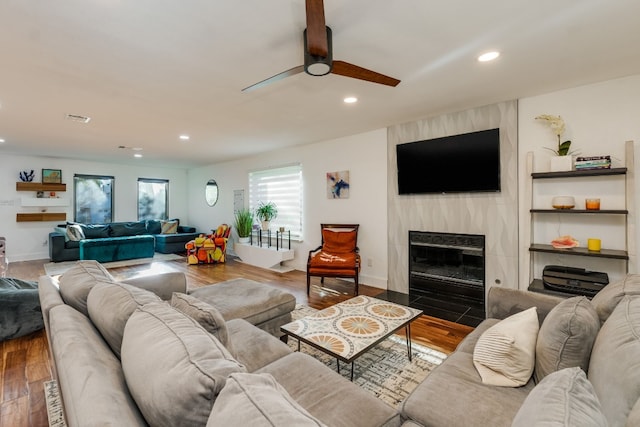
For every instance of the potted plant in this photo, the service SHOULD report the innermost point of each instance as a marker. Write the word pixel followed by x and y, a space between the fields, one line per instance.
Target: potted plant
pixel 563 160
pixel 265 213
pixel 244 224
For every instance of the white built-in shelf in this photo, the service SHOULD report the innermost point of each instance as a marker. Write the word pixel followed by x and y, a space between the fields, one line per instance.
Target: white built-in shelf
pixel 44 201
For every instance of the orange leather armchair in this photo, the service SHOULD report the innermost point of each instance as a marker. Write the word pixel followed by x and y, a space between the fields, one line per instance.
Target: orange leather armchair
pixel 337 256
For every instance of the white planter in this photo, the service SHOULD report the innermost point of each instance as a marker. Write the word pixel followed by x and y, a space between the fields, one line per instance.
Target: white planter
pixel 265 225
pixel 243 239
pixel 560 163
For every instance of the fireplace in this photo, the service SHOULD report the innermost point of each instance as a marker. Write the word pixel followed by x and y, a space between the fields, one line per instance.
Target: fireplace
pixel 447 275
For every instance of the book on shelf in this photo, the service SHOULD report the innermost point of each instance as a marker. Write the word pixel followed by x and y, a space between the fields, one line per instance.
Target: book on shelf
pixel 583 158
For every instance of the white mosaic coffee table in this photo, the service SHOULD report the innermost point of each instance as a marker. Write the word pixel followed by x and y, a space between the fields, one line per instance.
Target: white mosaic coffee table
pixel 350 328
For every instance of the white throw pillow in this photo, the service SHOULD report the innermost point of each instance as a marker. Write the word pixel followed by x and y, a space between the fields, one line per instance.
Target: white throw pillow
pixel 505 354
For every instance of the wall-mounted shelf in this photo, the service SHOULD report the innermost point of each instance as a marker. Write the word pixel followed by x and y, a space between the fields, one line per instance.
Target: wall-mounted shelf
pixel 41 216
pixel 44 201
pixel 604 253
pixel 38 186
pixel 579 173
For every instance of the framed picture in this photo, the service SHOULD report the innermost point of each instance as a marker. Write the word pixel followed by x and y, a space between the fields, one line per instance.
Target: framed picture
pixel 338 185
pixel 51 176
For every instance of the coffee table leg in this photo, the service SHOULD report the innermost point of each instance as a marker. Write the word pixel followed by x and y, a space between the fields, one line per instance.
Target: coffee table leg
pixel 338 362
pixel 352 369
pixel 407 331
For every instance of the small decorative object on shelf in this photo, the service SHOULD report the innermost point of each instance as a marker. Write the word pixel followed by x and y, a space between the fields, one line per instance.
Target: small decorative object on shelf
pixel 51 176
pixel 563 202
pixel 594 245
pixel 592 204
pixel 563 160
pixel 26 176
pixel 564 242
pixel 40 194
pixel 593 162
pixel 265 213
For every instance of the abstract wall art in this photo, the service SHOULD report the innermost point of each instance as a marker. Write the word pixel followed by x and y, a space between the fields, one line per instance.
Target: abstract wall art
pixel 338 185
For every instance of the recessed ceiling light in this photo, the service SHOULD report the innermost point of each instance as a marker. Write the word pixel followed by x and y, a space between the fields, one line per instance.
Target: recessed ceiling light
pixel 350 100
pixel 2 141
pixel 489 56
pixel 138 155
pixel 184 137
pixel 136 148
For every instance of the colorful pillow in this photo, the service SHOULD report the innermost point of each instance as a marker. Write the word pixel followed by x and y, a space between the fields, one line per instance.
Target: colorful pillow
pixel 339 241
pixel 169 227
pixel 505 354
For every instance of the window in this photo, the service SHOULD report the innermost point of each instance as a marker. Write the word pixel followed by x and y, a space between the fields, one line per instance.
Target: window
pixel 282 186
pixel 152 198
pixel 93 199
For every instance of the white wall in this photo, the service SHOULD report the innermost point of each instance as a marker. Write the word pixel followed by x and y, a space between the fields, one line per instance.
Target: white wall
pixel 27 240
pixel 363 155
pixel 599 119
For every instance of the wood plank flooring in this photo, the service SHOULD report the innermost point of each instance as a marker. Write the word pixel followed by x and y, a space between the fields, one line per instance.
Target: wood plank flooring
pixel 26 364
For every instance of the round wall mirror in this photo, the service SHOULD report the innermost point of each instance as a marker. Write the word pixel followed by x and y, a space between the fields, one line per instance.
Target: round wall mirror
pixel 211 192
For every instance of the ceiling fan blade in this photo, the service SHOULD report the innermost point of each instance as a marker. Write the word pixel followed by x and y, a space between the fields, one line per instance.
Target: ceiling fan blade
pixel 316 32
pixel 349 70
pixel 291 72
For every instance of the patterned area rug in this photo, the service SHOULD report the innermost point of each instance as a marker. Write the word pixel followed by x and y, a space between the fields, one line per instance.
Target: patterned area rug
pixel 385 370
pixel 54 406
pixel 56 268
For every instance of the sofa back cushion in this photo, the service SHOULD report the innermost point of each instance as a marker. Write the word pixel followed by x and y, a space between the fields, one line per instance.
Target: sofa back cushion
pixel 608 298
pixel 563 398
pixel 614 369
pixel 123 229
pixel 76 283
pixel 566 337
pixel 257 400
pixel 173 367
pixel 153 226
pixel 205 314
pixel 111 304
pixel 95 231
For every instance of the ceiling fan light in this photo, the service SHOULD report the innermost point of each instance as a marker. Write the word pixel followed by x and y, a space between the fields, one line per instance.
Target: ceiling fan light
pixel 318 69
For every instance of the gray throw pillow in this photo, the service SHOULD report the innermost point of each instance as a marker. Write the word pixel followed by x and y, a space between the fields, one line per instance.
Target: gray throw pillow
pixel 74 232
pixel 563 398
pixel 206 315
pixel 566 337
pixel 257 400
pixel 76 283
pixel 111 304
pixel 174 368
pixel 608 298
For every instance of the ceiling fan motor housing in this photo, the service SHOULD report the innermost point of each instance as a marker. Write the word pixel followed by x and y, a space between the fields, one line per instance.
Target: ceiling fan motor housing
pixel 315 65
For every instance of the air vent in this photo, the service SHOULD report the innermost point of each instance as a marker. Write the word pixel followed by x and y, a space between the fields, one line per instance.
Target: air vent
pixel 78 118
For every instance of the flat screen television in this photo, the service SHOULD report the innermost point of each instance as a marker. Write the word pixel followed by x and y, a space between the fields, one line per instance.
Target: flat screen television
pixel 462 163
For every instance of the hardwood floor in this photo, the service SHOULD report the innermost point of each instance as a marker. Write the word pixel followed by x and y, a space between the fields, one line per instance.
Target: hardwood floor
pixel 26 364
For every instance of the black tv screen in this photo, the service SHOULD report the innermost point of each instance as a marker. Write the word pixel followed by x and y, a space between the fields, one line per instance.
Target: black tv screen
pixel 467 162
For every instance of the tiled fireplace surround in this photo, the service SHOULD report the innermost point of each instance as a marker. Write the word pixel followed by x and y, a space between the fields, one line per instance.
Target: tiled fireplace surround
pixel 494 215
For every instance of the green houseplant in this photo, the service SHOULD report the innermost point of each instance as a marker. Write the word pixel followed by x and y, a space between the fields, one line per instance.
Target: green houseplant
pixel 265 213
pixel 244 224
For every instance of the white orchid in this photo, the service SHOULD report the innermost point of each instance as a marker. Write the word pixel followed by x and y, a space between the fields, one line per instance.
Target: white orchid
pixel 557 126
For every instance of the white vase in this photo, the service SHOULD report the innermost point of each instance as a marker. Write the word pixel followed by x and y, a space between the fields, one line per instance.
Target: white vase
pixel 560 163
pixel 243 239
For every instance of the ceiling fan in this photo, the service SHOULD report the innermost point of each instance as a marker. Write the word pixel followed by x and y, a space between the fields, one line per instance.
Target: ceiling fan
pixel 318 54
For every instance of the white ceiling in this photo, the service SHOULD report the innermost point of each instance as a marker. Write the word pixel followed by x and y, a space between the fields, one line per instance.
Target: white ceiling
pixel 146 71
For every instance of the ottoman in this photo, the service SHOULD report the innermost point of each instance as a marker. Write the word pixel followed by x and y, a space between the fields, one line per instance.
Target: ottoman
pixel 260 304
pixel 20 312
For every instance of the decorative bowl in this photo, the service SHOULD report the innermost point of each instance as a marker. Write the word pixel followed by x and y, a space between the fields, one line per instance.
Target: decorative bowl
pixel 563 202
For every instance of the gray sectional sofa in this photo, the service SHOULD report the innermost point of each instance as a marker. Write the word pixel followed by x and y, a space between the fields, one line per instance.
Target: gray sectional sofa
pixel 587 367
pixel 145 352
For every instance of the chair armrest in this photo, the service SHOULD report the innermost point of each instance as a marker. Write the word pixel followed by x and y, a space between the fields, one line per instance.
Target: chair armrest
pixel 163 284
pixel 314 250
pixel 503 302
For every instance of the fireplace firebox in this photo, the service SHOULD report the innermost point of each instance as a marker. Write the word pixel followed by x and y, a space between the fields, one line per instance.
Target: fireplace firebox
pixel 447 275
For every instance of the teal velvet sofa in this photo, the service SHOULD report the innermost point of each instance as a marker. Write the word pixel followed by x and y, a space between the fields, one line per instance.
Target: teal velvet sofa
pixel 116 241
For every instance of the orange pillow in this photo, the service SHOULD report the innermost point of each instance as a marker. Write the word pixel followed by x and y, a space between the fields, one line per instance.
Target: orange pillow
pixel 339 242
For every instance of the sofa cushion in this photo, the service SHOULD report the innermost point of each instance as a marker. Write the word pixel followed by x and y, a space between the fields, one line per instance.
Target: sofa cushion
pixel 243 332
pixel 614 368
pixel 111 304
pixel 154 226
pixel 76 283
pixel 566 337
pixel 169 227
pixel 505 353
pixel 173 367
pixel 257 400
pixel 608 298
pixel 74 232
pixel 563 398
pixel 206 315
pixel 122 229
pixel 95 231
